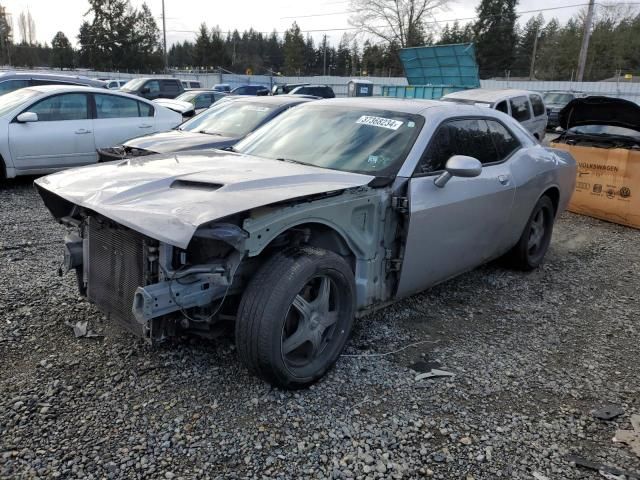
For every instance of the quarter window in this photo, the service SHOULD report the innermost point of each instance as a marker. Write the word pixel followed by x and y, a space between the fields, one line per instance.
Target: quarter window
pixel 520 109
pixel 504 141
pixel 470 137
pixel 68 106
pixel 113 106
pixel 537 105
pixel 146 110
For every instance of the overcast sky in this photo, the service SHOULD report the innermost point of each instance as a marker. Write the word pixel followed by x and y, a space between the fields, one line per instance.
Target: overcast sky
pixel 183 17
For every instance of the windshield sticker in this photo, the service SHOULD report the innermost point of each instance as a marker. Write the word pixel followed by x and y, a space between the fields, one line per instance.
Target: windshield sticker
pixel 372 160
pixel 411 124
pixel 379 122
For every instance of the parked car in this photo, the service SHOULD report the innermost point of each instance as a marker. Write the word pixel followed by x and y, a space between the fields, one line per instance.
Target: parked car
pixel 283 89
pixel 191 102
pixel 555 101
pixel 52 127
pixel 222 87
pixel 190 84
pixel 115 84
pixel 321 91
pixel 152 88
pixel 333 209
pixel 525 106
pixel 255 90
pixel 221 126
pixel 10 81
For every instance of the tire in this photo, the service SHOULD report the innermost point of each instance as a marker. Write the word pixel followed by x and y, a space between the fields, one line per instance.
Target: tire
pixel 534 242
pixel 295 316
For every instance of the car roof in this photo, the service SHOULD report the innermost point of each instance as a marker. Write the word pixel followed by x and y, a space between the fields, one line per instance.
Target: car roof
pixel 487 94
pixel 80 88
pixel 270 100
pixel 313 85
pixel 48 76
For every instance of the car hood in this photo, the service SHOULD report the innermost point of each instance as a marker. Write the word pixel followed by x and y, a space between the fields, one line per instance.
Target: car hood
pixel 169 197
pixel 600 111
pixel 177 140
pixel 175 105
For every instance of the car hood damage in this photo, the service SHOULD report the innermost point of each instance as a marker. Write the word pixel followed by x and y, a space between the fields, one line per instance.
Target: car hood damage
pixel 168 198
pixel 179 106
pixel 178 140
pixel 615 112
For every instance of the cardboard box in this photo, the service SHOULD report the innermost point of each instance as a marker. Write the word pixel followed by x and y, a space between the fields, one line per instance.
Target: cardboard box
pixel 608 183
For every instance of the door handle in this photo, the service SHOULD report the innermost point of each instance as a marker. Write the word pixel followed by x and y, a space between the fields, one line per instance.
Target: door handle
pixel 145 125
pixel 82 131
pixel 503 179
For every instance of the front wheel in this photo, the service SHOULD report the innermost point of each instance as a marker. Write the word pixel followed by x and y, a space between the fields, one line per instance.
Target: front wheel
pixel 536 237
pixel 295 316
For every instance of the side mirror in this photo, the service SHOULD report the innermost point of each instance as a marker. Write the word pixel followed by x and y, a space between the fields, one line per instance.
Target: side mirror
pixel 459 166
pixel 145 90
pixel 27 117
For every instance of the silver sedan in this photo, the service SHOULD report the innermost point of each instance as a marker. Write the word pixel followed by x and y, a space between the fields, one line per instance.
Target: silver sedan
pixel 333 209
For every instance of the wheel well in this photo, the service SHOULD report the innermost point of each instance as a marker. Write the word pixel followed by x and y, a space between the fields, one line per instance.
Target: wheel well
pixel 316 235
pixel 554 194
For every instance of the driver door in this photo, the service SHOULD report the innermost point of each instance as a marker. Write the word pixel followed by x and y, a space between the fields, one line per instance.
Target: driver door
pixel 461 225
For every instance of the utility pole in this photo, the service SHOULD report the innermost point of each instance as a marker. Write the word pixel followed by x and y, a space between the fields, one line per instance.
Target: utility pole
pixel 533 56
pixel 324 63
pixel 582 59
pixel 164 40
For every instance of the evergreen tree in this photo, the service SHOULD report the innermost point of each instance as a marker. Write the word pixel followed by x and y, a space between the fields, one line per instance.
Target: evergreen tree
pixel 61 52
pixel 495 36
pixel 293 49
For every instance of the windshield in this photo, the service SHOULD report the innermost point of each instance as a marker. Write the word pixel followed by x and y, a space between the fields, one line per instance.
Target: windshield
pixel 229 119
pixel 14 99
pixel 187 97
pixel 133 85
pixel 604 130
pixel 340 138
pixel 557 98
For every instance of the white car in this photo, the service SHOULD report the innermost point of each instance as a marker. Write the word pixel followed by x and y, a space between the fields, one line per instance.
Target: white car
pixel 47 128
pixel 115 84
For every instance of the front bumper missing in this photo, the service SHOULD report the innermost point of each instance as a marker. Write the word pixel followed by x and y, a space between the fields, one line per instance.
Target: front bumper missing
pixel 179 294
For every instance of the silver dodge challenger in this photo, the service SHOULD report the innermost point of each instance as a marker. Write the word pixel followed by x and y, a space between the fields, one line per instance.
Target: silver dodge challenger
pixel 334 209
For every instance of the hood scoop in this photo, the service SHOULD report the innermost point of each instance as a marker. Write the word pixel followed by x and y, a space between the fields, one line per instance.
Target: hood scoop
pixel 194 185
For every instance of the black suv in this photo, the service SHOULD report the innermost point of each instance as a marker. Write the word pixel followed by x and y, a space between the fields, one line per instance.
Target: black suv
pixel 256 90
pixel 323 91
pixel 152 88
pixel 11 81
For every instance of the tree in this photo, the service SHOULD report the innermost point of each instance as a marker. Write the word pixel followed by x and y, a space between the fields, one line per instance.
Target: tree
pixel 61 52
pixel 294 48
pixel 495 36
pixel 533 29
pixel 27 28
pixel 399 21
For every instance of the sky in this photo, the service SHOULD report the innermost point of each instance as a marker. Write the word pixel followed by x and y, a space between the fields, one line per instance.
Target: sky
pixel 265 16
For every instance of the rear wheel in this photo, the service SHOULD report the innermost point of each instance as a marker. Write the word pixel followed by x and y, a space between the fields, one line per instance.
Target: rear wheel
pixel 295 316
pixel 536 237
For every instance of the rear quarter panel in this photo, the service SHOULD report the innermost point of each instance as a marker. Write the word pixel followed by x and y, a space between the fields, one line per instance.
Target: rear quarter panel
pixel 535 172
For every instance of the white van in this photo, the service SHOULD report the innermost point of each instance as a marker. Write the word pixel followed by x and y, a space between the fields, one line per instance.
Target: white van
pixel 525 106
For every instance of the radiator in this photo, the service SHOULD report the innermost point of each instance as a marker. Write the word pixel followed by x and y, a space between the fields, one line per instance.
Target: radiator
pixel 116 267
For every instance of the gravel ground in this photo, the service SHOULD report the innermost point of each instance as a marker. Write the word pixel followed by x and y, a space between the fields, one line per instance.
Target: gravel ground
pixel 533 355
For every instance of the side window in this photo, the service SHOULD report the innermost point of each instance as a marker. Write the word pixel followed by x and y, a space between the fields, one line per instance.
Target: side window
pixel 153 86
pixel 113 106
pixel 146 110
pixel 69 106
pixel 11 85
pixel 504 141
pixel 458 137
pixel 503 107
pixel 520 109
pixel 537 104
pixel 170 86
pixel 203 101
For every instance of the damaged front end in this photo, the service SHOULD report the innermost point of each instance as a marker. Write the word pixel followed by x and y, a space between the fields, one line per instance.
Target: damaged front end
pixel 152 288
pixel 120 153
